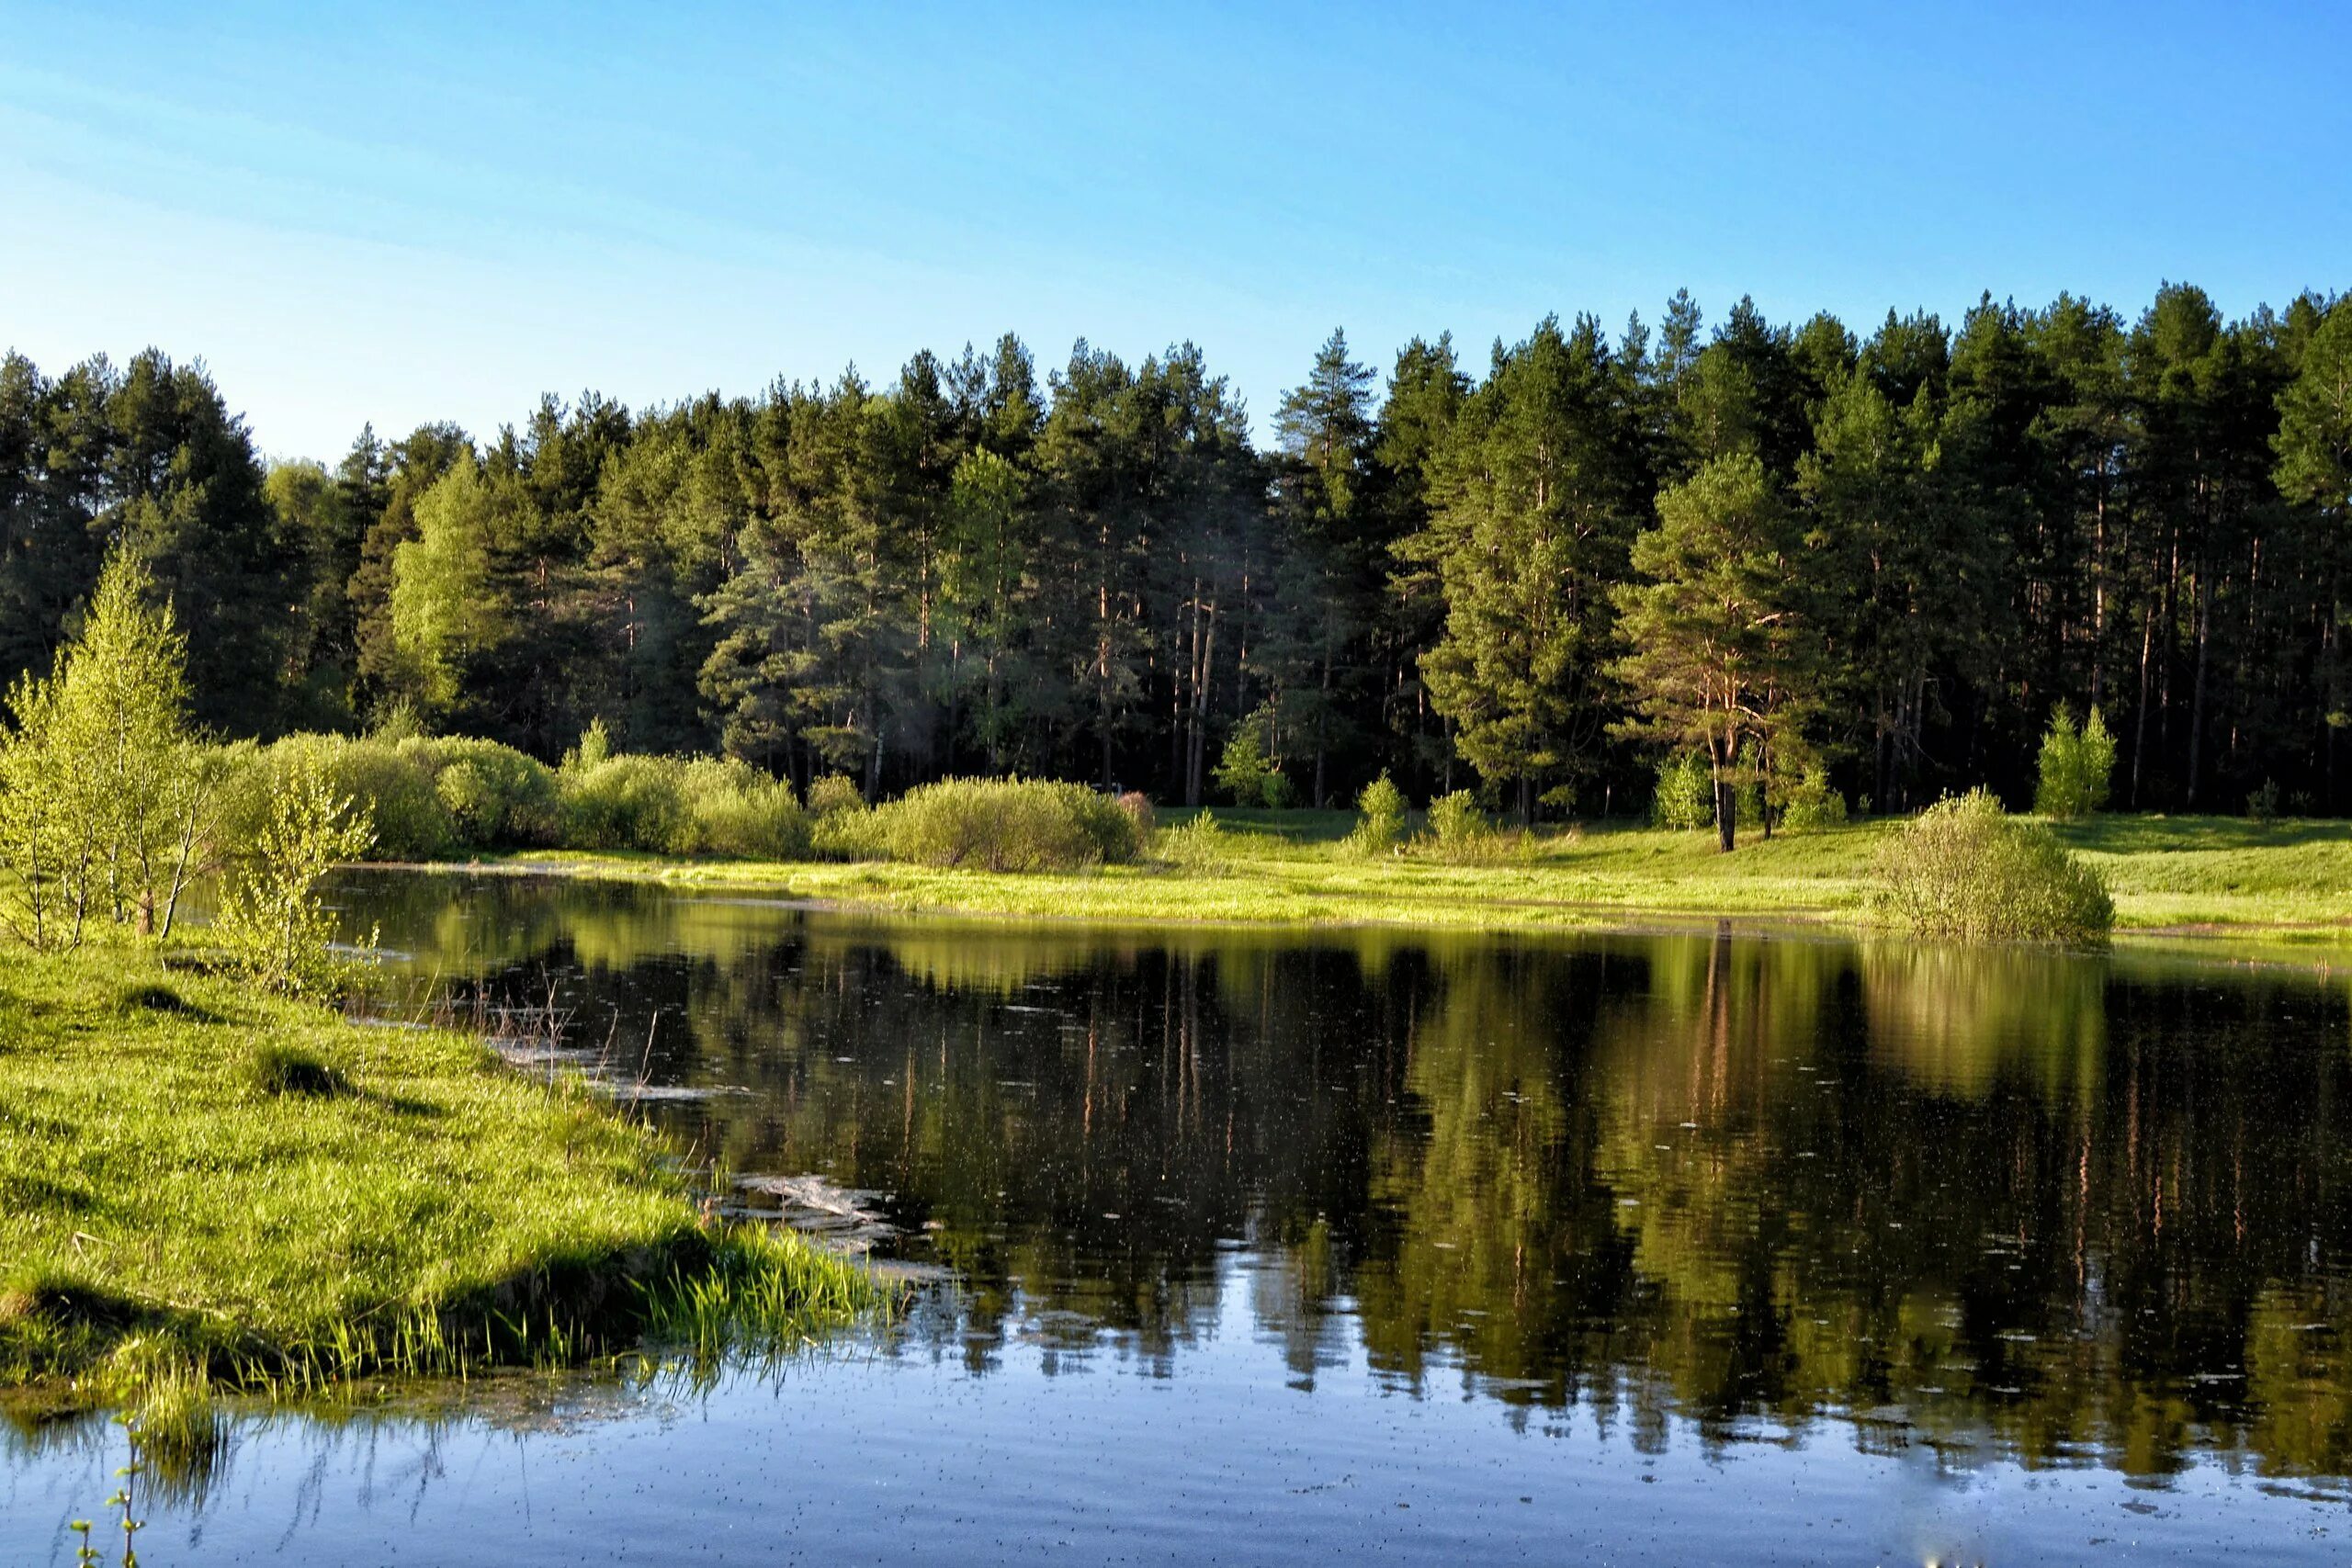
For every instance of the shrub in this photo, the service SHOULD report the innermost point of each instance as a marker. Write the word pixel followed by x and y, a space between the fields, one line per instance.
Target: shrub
pixel 1966 868
pixel 1811 803
pixel 1006 825
pixel 1458 830
pixel 495 795
pixel 1684 800
pixel 831 794
pixel 2076 766
pixel 272 921
pixel 1248 771
pixel 624 803
pixel 2262 806
pixel 733 808
pixel 1380 825
pixel 396 790
pixel 1138 805
pixel 1199 845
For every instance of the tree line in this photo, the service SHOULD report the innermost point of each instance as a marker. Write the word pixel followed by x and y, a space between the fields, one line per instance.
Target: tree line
pixel 1874 564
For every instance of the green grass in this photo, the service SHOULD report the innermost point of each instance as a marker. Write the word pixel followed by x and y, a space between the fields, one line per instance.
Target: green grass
pixel 2167 873
pixel 199 1182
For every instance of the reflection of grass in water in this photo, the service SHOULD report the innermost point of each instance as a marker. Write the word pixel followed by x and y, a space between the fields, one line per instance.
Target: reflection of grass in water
pixel 253 1193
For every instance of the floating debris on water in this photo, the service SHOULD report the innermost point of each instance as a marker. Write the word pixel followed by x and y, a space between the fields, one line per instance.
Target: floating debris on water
pixel 846 1219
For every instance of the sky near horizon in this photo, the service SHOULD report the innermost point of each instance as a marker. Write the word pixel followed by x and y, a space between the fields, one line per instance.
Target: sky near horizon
pixel 426 211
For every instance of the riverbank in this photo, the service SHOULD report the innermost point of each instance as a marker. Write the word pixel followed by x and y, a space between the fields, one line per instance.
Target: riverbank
pixel 200 1183
pixel 2288 881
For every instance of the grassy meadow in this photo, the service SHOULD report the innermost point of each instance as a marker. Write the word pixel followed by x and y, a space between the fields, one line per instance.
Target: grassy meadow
pixel 201 1184
pixel 2168 874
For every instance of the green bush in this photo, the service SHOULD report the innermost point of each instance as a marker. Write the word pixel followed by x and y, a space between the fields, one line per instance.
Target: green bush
pixel 625 803
pixel 1684 800
pixel 1379 823
pixel 2076 766
pixel 1011 825
pixel 1006 825
pixel 2262 806
pixel 1248 771
pixel 1458 829
pixel 733 808
pixel 832 793
pixel 1965 868
pixel 394 787
pixel 1811 803
pixel 496 796
pixel 1200 844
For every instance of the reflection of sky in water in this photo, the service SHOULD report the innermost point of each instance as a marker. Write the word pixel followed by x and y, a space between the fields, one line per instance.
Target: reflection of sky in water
pixel 1087 1457
pixel 1708 1248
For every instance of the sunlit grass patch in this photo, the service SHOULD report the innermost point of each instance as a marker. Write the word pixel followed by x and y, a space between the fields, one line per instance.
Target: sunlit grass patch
pixel 282 1202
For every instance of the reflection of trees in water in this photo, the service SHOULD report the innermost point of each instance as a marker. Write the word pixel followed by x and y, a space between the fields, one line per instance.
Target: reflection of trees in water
pixel 2059 1203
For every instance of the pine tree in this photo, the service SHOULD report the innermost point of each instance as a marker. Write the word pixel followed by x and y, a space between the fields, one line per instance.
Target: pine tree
pixel 1721 655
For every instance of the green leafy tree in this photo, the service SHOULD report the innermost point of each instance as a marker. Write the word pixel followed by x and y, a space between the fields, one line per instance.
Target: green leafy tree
pixel 272 919
pixel 2076 766
pixel 445 610
pixel 1720 653
pixel 105 792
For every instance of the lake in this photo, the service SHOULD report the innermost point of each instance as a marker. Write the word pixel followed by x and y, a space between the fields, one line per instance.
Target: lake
pixel 1271 1246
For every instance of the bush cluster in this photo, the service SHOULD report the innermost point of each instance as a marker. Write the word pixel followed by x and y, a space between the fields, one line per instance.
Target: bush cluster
pixel 1684 799
pixel 998 825
pixel 431 798
pixel 1965 868
pixel 2075 765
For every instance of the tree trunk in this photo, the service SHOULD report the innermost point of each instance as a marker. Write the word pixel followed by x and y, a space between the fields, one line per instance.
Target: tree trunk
pixel 1720 753
pixel 2196 692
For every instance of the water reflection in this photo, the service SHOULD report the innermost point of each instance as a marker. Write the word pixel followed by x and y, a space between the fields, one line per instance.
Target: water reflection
pixel 2040 1207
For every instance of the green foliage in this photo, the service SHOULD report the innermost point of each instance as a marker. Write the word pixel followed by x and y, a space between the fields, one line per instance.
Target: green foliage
pixel 1380 822
pixel 1461 833
pixel 1965 868
pixel 624 803
pixel 445 610
pixel 1249 772
pixel 1200 844
pixel 2262 806
pixel 1810 804
pixel 1721 654
pixel 595 745
pixel 271 918
pixel 830 793
pixel 105 793
pixel 1006 825
pixel 1684 798
pixel 2076 766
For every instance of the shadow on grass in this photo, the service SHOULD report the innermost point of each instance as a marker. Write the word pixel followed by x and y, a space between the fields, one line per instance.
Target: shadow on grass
pixel 2160 834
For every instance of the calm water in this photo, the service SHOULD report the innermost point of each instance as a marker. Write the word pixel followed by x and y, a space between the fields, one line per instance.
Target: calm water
pixel 1389 1246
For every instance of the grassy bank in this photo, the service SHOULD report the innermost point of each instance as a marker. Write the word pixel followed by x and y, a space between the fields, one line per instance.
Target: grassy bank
pixel 198 1182
pixel 2167 874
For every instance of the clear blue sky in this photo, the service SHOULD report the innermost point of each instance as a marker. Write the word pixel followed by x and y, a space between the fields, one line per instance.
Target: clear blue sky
pixel 427 212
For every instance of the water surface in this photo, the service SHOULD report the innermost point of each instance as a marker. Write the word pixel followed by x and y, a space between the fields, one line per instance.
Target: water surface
pixel 1269 1247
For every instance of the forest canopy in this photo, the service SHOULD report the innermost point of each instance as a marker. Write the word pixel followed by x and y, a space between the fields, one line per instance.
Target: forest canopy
pixel 1787 546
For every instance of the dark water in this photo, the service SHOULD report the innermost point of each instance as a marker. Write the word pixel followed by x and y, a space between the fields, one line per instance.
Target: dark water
pixel 1390 1246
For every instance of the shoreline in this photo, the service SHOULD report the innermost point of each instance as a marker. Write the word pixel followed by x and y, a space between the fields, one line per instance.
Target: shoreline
pixel 2178 880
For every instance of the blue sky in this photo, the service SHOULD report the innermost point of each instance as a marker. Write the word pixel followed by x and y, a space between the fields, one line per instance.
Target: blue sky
pixel 423 212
